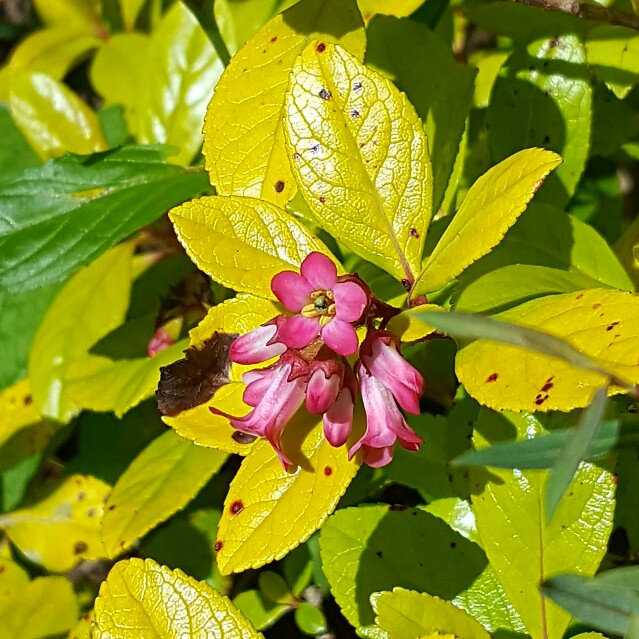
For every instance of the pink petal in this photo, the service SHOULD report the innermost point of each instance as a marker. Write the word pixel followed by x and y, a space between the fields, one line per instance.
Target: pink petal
pixel 377 457
pixel 299 331
pixel 321 392
pixel 338 419
pixel 292 290
pixel 340 336
pixel 350 301
pixel 254 347
pixel 320 271
pixel 255 390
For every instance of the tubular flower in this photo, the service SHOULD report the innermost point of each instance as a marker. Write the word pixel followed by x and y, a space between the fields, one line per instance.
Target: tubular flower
pixel 259 344
pixel 327 305
pixel 338 419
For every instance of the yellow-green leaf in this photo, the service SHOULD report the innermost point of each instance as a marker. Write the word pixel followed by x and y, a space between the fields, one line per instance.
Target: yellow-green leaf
pixel 397 8
pixel 102 384
pixel 161 480
pixel 264 498
pixel 65 13
pixel 409 327
pixel 490 208
pixel 36 609
pixel 143 599
pixel 360 158
pixel 601 323
pixel 523 548
pixel 51 117
pixel 406 614
pixel 89 306
pixel 243 242
pixel 53 51
pixel 22 430
pixel 178 76
pixel 63 526
pixel 243 137
pixel 82 629
pixel 130 10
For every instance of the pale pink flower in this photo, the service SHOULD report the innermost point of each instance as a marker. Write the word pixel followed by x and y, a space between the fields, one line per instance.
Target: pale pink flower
pixel 327 305
pixel 258 345
pixel 338 419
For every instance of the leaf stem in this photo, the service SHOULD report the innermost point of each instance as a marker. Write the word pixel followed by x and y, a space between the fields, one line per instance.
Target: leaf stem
pixel 203 10
pixel 588 12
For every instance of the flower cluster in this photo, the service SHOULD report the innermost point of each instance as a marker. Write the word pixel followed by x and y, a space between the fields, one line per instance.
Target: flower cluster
pixel 312 346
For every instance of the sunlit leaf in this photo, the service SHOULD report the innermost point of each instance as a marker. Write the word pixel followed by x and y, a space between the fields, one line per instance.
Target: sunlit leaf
pixel 490 208
pixel 406 614
pixel 360 158
pixel 409 326
pixel 263 497
pixel 62 13
pixel 130 10
pixel 509 508
pixel 243 135
pixel 82 629
pixel 243 242
pixel 398 8
pixel 88 307
pixel 143 599
pixel 63 526
pixel 159 482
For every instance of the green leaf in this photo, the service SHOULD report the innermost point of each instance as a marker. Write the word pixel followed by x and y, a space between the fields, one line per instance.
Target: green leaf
pixel 130 11
pixel 360 158
pixel 490 208
pixel 627 510
pixel 538 102
pixel 15 152
pixel 407 52
pixel 310 619
pixel 575 450
pixel 89 306
pixel 261 612
pixel 602 606
pixel 70 12
pixel 264 497
pixel 159 482
pixel 177 78
pixel 127 606
pixel 51 117
pixel 274 588
pixel 361 555
pixel 243 135
pixel 120 192
pixel 62 525
pixel 509 509
pixel 406 614
pixel 242 242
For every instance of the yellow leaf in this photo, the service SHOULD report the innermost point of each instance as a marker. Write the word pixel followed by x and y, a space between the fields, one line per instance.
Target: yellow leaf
pixel 82 629
pixel 490 208
pixel 239 315
pixel 360 158
pixel 53 51
pixel 264 498
pixel 102 384
pixel 53 119
pixel 62 527
pixel 65 13
pixel 406 614
pixel 161 480
pixel 397 8
pixel 143 599
pixel 603 324
pixel 409 327
pixel 89 306
pixel 22 430
pixel 243 242
pixel 243 139
pixel 130 10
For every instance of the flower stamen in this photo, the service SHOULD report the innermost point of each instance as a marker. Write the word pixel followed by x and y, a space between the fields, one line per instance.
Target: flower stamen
pixel 322 306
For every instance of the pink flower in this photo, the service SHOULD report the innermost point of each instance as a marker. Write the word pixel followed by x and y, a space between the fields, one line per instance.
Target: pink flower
pixel 258 345
pixel 338 419
pixel 327 305
pixel 385 424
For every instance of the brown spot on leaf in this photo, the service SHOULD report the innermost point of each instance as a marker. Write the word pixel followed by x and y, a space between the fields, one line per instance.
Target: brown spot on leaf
pixel 111 507
pixel 243 438
pixel 28 400
pixel 218 546
pixel 492 378
pixel 320 48
pixel 91 512
pixel 193 380
pixel 80 547
pixel 80 496
pixel 322 199
pixel 596 306
pixel 325 94
pixel 611 326
pixel 548 385
pixel 273 39
pixel 379 553
pixel 397 507
pixel 2 568
pixel 541 398
pixel 279 186
pixel 328 471
pixel 414 233
pixel 297 157
pixel 579 296
pixel 354 113
pixel 236 507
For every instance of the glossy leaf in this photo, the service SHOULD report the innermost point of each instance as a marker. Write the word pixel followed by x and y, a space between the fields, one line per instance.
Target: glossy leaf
pixel 409 326
pixel 243 242
pixel 261 612
pixel 89 306
pixel 22 430
pixel 180 71
pixel 407 52
pixel 159 482
pixel 120 192
pixel 63 526
pixel 127 606
pixel 509 507
pixel 490 208
pixel 431 557
pixel 54 120
pixel 406 614
pixel 264 497
pixel 103 384
pixel 600 324
pixel 360 158
pixel 15 152
pixel 398 8
pixel 310 619
pixel 243 136
pixel 536 103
